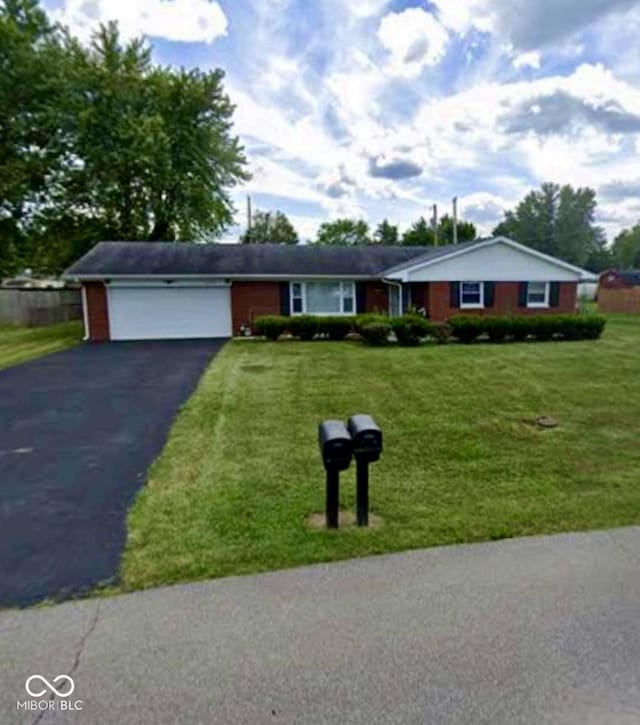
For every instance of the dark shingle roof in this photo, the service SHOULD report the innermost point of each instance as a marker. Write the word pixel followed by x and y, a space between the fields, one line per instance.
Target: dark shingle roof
pixel 182 258
pixel 630 276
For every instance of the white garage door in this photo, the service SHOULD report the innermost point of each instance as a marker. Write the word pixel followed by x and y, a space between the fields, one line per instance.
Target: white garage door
pixel 156 313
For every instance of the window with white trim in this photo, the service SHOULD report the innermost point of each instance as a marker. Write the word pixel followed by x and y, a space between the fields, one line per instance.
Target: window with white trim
pixel 323 298
pixel 471 295
pixel 538 294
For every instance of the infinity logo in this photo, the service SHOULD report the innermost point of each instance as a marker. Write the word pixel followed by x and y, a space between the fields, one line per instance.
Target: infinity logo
pixel 44 681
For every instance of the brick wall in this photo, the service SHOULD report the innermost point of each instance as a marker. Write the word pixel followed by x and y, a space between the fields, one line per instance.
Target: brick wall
pixel 253 299
pixel 420 294
pixel 505 301
pixel 376 297
pixel 97 311
pixel 619 299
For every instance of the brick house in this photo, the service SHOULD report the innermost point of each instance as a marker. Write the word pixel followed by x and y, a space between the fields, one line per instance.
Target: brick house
pixel 619 291
pixel 146 290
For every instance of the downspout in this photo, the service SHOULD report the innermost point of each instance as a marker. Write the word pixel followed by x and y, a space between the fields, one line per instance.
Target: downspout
pixel 85 313
pixel 399 286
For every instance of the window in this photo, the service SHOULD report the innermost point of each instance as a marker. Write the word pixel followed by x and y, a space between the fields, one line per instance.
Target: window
pixel 472 295
pixel 296 298
pixel 323 298
pixel 538 294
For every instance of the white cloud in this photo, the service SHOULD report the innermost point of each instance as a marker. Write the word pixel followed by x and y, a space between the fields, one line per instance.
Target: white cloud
pixel 533 25
pixel 182 20
pixel 414 38
pixel 527 60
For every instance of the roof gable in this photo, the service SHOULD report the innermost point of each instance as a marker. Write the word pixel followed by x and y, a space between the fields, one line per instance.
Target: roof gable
pixel 498 259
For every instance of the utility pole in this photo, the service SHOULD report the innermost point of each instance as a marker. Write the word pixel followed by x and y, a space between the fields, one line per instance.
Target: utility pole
pixel 248 213
pixel 455 219
pixel 435 224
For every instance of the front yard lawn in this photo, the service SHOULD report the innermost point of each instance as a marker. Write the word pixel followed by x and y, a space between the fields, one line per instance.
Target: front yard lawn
pixel 463 459
pixel 18 344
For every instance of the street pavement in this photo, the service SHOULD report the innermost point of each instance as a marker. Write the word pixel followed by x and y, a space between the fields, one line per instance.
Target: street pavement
pixel 534 630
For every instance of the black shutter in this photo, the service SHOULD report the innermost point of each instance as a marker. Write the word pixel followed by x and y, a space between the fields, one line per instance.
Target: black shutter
pixel 554 294
pixel 406 297
pixel 361 297
pixel 454 294
pixel 489 294
pixel 523 288
pixel 285 299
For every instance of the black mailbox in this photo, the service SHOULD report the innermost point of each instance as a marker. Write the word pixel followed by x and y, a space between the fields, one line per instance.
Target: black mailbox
pixel 336 446
pixel 367 437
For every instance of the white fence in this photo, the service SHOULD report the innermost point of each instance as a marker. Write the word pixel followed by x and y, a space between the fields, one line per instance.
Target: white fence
pixel 38 307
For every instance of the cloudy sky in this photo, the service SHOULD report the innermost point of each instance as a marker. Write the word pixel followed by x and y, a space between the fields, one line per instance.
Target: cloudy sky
pixel 380 108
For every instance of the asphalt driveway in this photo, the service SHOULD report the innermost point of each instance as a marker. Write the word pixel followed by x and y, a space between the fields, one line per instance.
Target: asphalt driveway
pixel 78 430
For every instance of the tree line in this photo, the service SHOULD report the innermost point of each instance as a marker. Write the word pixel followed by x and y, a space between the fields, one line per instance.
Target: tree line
pixel 557 220
pixel 276 228
pixel 99 143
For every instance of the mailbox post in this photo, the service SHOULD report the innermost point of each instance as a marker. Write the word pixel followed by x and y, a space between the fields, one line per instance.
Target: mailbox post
pixel 336 449
pixel 367 447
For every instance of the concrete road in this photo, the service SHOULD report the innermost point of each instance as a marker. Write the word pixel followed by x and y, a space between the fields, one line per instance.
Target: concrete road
pixel 78 430
pixel 539 630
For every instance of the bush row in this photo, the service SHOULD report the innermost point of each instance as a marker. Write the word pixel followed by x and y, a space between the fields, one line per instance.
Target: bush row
pixel 410 329
pixel 376 329
pixel 539 327
pixel 306 327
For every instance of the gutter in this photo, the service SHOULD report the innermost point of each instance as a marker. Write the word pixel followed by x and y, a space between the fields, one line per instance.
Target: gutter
pixel 85 314
pixel 392 282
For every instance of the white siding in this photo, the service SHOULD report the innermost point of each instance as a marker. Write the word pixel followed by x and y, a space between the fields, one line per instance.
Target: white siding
pixel 497 262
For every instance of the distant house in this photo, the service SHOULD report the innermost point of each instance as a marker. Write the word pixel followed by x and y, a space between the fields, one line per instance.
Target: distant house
pixel 619 291
pixel 152 290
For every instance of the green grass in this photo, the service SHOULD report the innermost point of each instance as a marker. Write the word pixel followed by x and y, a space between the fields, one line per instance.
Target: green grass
pixel 18 344
pixel 463 460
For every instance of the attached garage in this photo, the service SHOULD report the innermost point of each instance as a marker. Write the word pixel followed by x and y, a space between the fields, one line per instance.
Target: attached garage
pixel 168 311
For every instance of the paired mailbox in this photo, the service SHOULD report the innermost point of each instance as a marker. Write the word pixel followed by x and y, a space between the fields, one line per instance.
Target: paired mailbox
pixel 361 438
pixel 367 437
pixel 336 446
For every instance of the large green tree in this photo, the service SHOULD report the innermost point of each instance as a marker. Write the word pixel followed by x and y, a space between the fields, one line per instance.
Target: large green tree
pixel 33 143
pixel 158 156
pixel 270 228
pixel 466 230
pixel 344 232
pixel 557 220
pixel 99 143
pixel 419 234
pixel 626 248
pixel 386 234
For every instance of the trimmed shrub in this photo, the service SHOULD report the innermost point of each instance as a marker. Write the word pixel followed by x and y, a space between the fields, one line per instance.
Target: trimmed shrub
pixel 519 328
pixel 497 328
pixel 592 326
pixel 466 328
pixel 303 326
pixel 540 327
pixel 376 333
pixel 410 329
pixel 583 327
pixel 270 326
pixel 440 331
pixel 368 318
pixel 544 327
pixel 335 328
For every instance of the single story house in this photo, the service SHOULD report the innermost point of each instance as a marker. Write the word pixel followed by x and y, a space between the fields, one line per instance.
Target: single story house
pixel 157 290
pixel 619 291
